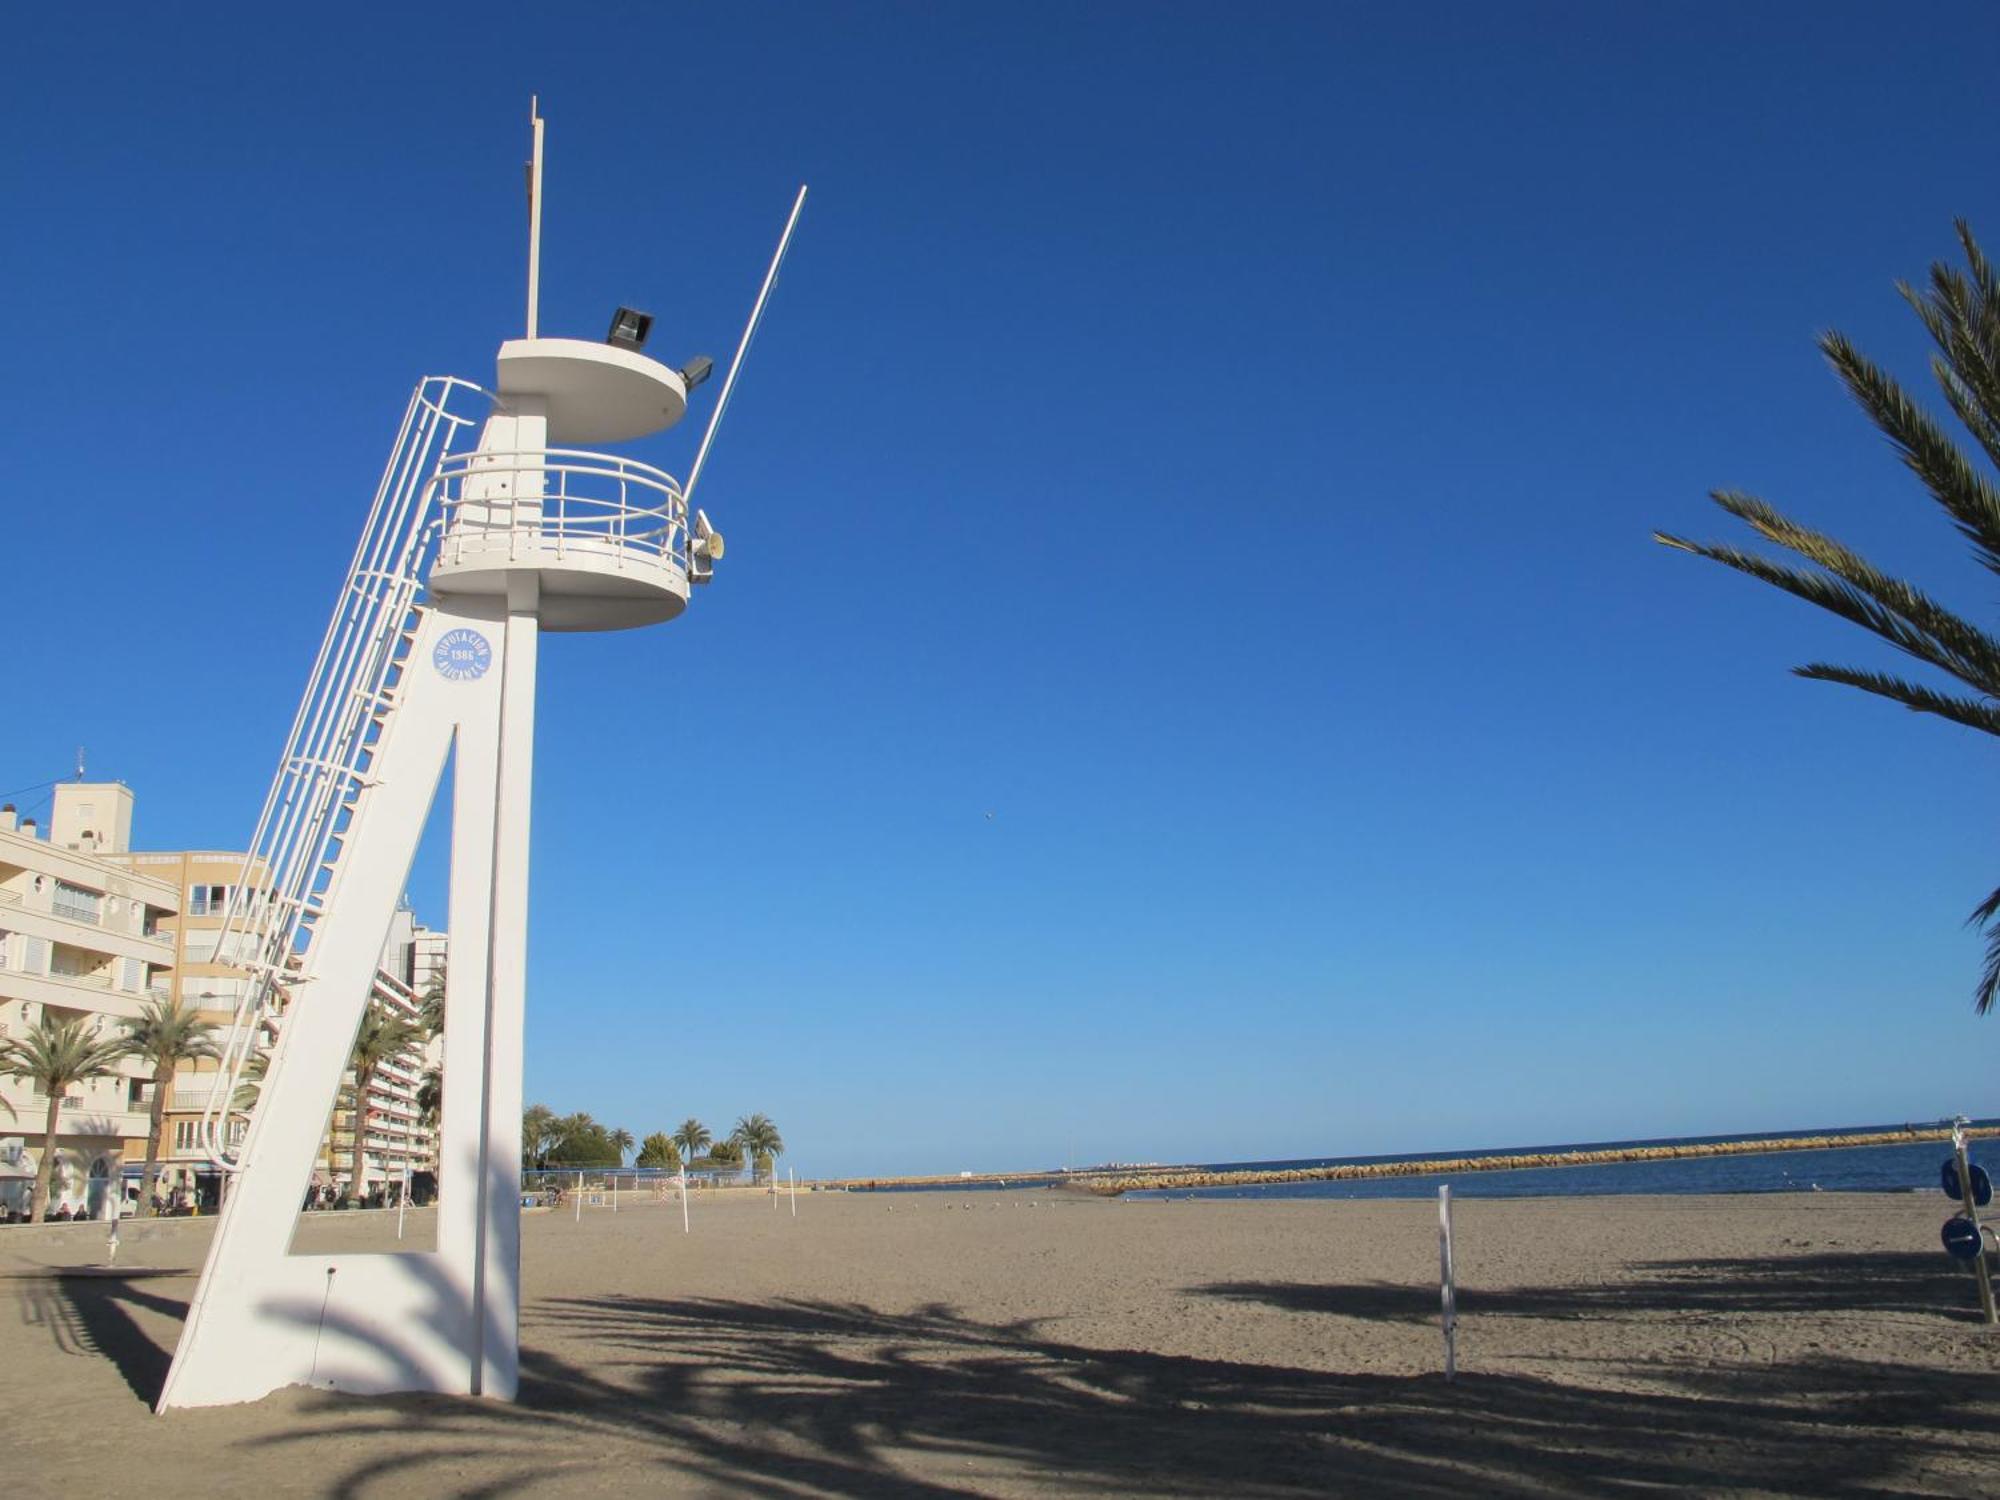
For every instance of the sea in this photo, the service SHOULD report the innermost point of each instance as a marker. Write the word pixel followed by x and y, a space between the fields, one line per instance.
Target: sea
pixel 1836 1169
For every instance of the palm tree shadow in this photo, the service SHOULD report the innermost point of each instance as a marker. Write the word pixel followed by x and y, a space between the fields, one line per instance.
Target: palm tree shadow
pixel 1907 1281
pixel 844 1399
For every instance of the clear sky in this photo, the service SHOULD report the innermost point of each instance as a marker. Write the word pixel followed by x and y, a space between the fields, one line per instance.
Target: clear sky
pixel 1190 679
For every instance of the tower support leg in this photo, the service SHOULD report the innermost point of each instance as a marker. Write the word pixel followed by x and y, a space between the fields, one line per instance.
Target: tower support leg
pixel 448 1320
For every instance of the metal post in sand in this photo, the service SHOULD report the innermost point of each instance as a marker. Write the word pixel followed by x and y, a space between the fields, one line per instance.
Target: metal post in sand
pixel 1449 1288
pixel 794 1176
pixel 684 1199
pixel 579 1197
pixel 1972 1212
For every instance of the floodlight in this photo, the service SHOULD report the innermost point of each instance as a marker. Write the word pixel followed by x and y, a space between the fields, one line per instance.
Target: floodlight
pixel 629 328
pixel 696 370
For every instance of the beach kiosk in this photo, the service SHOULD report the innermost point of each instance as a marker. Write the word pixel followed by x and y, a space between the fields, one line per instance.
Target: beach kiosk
pixel 498 516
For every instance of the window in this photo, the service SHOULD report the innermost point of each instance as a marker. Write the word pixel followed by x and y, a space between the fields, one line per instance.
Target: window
pixel 207 900
pixel 5 936
pixel 187 1135
pixel 76 903
pixel 133 979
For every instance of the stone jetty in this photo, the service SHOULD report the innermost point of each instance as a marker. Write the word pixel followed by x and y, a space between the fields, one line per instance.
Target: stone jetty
pixel 1111 1184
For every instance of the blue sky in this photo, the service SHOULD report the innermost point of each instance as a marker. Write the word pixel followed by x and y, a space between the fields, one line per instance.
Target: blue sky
pixel 1222 448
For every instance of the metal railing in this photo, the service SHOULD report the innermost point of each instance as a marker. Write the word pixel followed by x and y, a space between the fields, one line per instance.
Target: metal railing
pixel 556 503
pixel 77 907
pixel 274 905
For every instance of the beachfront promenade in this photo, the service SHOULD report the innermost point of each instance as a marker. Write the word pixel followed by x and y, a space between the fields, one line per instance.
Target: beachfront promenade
pixel 1029 1342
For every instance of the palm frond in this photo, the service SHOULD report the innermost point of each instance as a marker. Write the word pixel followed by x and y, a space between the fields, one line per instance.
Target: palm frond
pixel 1964 493
pixel 1971 712
pixel 1988 989
pixel 1974 654
pixel 1842 598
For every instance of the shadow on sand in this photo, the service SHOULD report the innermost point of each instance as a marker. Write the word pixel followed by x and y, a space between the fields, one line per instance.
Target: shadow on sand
pixel 802 1397
pixel 1919 1282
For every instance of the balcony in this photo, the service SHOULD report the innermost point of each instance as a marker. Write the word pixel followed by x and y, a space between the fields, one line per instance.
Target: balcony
pixel 607 536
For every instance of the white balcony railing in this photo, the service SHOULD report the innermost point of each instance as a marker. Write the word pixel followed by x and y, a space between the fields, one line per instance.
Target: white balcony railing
pixel 590 505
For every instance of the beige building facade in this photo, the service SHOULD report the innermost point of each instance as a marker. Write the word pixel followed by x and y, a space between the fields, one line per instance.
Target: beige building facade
pixel 84 935
pixel 91 929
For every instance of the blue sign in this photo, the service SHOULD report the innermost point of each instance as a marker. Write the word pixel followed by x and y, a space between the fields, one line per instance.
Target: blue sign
pixel 1961 1238
pixel 1982 1185
pixel 462 655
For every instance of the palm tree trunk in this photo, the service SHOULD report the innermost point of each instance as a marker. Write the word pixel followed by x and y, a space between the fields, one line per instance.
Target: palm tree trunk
pixel 43 1171
pixel 161 1076
pixel 361 1081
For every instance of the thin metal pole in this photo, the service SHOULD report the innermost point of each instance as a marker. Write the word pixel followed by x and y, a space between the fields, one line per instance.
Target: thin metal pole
pixel 1448 1287
pixel 1972 1212
pixel 684 1199
pixel 535 222
pixel 579 1197
pixel 736 364
pixel 794 1176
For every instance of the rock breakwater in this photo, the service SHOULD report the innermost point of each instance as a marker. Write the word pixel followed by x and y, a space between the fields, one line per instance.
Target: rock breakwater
pixel 1110 1185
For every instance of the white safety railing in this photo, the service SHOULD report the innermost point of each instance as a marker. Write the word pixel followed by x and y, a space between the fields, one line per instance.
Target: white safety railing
pixel 274 904
pixel 517 507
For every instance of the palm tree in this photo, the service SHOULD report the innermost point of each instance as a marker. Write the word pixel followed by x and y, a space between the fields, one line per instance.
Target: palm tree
pixel 621 1138
pixel 538 1134
pixel 430 1012
pixel 692 1138
pixel 383 1035
pixel 55 1056
pixel 727 1153
pixel 166 1033
pixel 658 1150
pixel 1961 312
pixel 759 1137
pixel 430 1096
pixel 251 1084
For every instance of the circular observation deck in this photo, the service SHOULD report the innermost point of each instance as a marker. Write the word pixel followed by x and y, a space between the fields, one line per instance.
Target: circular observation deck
pixel 590 393
pixel 607 537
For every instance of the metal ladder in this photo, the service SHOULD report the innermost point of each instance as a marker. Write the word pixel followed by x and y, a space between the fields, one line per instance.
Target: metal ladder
pixel 323 775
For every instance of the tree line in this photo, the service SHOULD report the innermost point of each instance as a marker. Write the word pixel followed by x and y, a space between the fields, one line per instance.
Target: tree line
pixel 550 1140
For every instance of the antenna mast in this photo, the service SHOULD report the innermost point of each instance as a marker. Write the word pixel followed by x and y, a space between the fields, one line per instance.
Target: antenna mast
pixel 535 219
pixel 749 332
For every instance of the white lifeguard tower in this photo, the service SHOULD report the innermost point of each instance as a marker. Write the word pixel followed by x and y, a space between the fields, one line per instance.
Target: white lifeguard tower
pixel 528 530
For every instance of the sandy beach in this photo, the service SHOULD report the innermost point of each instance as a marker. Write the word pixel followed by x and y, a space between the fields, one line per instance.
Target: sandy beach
pixel 1014 1343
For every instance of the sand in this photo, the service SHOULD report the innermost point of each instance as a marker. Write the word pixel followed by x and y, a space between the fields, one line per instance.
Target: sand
pixel 1035 1343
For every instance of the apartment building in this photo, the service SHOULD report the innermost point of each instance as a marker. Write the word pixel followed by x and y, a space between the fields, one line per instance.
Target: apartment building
pixel 83 935
pixel 396 1136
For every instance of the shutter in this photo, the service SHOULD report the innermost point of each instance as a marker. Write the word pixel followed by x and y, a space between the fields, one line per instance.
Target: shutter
pixel 135 975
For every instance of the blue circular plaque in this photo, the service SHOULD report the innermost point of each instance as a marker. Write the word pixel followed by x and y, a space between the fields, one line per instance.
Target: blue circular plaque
pixel 462 655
